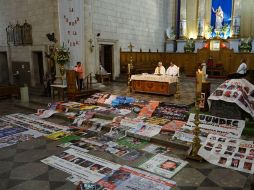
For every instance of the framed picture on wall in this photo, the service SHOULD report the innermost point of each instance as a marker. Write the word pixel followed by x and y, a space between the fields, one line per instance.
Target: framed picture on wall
pixel 215 45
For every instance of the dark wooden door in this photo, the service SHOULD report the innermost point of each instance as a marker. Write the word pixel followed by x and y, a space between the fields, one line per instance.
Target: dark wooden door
pixel 108 54
pixel 4 70
pixel 21 73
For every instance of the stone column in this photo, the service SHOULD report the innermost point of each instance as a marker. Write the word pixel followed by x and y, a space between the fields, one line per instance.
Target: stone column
pixel 201 19
pixel 183 25
pixel 236 19
pixel 89 40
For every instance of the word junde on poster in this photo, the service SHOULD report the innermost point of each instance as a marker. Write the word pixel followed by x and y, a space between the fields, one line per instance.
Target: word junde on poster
pixel 231 153
pixel 211 125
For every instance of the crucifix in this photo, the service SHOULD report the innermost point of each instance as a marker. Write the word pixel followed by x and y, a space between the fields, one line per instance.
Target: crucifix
pixel 130 46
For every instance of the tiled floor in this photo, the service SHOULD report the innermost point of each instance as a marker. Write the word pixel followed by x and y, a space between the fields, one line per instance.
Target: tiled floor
pixel 21 169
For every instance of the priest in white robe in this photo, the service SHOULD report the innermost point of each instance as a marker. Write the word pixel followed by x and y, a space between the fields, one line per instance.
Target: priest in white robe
pixel 172 70
pixel 160 69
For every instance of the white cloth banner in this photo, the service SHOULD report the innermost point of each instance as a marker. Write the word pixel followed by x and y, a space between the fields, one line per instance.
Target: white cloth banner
pixel 238 91
pixel 71 19
pixel 236 154
pixel 156 78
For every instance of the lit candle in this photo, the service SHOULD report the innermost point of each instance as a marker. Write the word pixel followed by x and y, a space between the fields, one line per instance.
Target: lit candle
pixel 129 68
pixel 199 76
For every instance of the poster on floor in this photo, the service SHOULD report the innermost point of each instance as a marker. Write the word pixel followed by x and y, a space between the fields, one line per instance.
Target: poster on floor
pixel 126 178
pixel 211 125
pixel 229 153
pixel 156 149
pixel 11 134
pixel 81 164
pixel 165 166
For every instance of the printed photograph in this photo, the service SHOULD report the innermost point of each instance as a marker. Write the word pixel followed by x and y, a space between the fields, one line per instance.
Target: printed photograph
pixel 106 171
pixel 221 139
pixel 169 165
pixel 235 163
pixel 69 157
pixel 242 150
pixel 86 164
pixel 247 165
pixel 231 148
pixel 210 144
pixel 222 160
pixel 208 148
pixel 96 167
pixel 228 153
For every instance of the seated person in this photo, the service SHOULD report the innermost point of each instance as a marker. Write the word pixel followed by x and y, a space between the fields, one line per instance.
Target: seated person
pixel 160 69
pixel 241 71
pixel 102 71
pixel 172 70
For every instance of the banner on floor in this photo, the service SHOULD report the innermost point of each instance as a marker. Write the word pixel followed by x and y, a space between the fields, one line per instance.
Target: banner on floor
pixel 229 153
pixel 81 164
pixel 211 125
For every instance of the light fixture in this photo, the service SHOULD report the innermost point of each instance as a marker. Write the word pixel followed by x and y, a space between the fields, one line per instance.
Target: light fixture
pixel 91 45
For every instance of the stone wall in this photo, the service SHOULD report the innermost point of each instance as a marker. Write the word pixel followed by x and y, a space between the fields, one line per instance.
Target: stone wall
pixel 41 14
pixel 141 22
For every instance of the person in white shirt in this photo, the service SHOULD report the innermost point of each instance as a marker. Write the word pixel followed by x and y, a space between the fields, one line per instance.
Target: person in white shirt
pixel 172 70
pixel 160 69
pixel 241 71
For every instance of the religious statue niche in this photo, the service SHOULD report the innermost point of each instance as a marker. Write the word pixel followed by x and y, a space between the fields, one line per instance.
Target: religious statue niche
pixel 27 33
pixel 17 34
pixel 10 34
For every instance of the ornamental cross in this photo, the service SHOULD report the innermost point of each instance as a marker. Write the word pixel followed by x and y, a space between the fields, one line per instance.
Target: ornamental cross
pixel 130 46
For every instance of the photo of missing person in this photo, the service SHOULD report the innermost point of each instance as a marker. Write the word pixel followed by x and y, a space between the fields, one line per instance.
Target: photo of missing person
pixel 221 139
pixel 169 165
pixel 222 160
pixel 210 144
pixel 106 171
pixel 207 148
pixel 239 155
pixel 231 148
pixel 117 177
pixel 69 157
pixel 251 152
pixel 232 141
pixel 62 154
pixel 250 157
pixel 235 163
pixel 219 146
pixel 242 150
pixel 96 167
pixel 247 166
pixel 77 160
pixel 86 164
pixel 228 153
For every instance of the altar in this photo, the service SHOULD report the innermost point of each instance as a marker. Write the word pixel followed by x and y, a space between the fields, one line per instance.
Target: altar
pixel 155 84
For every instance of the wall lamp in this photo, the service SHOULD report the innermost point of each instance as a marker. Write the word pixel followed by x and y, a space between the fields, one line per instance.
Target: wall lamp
pixel 91 45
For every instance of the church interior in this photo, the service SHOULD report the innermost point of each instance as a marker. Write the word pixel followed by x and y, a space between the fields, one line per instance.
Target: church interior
pixel 126 95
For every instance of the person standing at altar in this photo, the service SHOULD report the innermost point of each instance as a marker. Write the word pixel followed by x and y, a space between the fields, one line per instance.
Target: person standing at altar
pixel 160 69
pixel 79 70
pixel 219 17
pixel 241 71
pixel 172 70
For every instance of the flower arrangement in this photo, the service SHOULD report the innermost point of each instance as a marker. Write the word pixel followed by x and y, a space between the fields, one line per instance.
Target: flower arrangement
pixel 210 31
pixel 189 46
pixel 245 45
pixel 62 55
